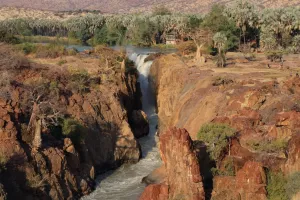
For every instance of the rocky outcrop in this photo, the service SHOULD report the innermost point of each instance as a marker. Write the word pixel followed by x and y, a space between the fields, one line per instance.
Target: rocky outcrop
pixel 293 163
pixel 84 129
pixel 249 183
pixel 264 111
pixel 140 123
pixel 182 169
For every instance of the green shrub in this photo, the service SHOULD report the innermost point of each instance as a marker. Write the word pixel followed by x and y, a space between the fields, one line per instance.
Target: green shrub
pixel 62 62
pixel 293 184
pixel 27 48
pixel 228 170
pixel 80 81
pixel 73 130
pixel 8 38
pixel 275 56
pixel 268 146
pixel 276 183
pixel 216 136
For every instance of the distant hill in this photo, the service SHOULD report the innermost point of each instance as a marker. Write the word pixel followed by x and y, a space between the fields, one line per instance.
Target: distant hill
pixel 125 6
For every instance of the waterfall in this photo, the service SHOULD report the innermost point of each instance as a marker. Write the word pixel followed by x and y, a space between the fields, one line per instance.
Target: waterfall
pixel 125 182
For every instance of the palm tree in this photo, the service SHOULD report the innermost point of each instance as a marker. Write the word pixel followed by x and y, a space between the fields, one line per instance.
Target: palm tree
pixel 244 14
pixel 220 43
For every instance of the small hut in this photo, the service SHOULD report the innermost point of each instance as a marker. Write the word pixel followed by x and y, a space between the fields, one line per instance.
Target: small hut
pixel 171 38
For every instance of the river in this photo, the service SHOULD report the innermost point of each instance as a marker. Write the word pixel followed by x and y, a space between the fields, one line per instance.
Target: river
pixel 125 183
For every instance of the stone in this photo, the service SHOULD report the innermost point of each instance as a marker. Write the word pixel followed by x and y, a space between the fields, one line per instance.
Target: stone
pixel 2 123
pixel 181 166
pixel 9 125
pixel 140 123
pixel 3 112
pixel 3 102
pixel 155 192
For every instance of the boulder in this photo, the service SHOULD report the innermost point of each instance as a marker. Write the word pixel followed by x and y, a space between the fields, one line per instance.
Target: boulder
pixel 183 179
pixel 140 123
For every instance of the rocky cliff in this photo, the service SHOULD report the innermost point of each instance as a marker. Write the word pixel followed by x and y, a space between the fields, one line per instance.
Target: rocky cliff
pixel 59 127
pixel 261 105
pixel 183 177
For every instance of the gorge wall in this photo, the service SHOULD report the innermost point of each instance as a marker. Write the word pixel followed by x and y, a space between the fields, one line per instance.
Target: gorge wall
pixel 262 106
pixel 100 136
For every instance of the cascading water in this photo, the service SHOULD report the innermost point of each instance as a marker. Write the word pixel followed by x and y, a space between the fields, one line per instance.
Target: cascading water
pixel 125 182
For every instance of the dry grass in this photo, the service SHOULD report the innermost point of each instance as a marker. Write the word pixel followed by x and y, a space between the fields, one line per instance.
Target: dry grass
pixel 257 69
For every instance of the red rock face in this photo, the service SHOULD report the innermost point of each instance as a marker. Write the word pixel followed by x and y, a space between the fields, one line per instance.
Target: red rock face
pixel 182 168
pixel 249 183
pixel 293 164
pixel 155 192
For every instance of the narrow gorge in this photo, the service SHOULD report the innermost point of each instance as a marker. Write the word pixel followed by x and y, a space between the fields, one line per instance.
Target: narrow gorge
pixel 125 183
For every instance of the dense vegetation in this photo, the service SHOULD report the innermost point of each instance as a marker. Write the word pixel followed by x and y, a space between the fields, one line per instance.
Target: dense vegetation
pixel 240 23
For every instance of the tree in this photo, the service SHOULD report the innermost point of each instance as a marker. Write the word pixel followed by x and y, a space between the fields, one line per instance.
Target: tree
pixel 217 137
pixel 217 21
pixel 244 14
pixel 200 37
pixel 296 44
pixel 42 104
pixel 220 43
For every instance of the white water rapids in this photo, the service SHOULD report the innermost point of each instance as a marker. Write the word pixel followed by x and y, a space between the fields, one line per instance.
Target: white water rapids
pixel 125 182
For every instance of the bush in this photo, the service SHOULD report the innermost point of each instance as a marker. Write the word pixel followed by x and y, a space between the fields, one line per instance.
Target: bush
pixel 275 56
pixel 276 183
pixel 293 184
pixel 268 146
pixel 27 48
pixel 228 170
pixel 8 38
pixel 222 81
pixel 80 81
pixel 62 62
pixel 216 137
pixel 50 51
pixel 73 130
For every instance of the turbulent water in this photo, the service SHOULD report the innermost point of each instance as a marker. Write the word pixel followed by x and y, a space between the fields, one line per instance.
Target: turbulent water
pixel 125 182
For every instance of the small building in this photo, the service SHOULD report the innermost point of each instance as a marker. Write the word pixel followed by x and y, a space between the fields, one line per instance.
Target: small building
pixel 171 38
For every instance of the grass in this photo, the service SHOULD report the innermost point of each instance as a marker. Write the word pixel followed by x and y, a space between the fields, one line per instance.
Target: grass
pixel 50 51
pixel 268 146
pixel 47 39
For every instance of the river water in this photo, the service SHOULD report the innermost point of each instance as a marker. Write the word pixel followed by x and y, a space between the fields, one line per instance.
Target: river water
pixel 125 183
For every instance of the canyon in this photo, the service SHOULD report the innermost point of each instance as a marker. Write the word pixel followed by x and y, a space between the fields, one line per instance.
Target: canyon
pixel 93 117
